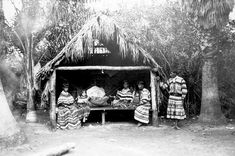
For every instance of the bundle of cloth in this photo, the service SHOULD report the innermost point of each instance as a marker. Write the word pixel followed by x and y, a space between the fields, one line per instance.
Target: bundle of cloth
pixel 97 97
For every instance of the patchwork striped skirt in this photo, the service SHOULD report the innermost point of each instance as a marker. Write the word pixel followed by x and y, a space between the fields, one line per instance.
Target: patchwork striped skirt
pixel 68 117
pixel 175 108
pixel 83 111
pixel 142 113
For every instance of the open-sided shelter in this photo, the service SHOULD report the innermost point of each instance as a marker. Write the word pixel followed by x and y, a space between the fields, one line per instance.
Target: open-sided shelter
pixel 101 50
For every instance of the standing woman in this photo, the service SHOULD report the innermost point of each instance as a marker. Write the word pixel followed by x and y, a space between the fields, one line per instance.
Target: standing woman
pixel 177 90
pixel 67 117
pixel 142 111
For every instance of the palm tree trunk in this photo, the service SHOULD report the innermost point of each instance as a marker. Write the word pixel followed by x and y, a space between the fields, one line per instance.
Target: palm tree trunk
pixel 210 107
pixel 31 113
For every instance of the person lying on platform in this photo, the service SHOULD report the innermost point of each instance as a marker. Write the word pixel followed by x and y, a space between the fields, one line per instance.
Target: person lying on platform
pixel 67 117
pixel 123 97
pixel 142 109
pixel 83 106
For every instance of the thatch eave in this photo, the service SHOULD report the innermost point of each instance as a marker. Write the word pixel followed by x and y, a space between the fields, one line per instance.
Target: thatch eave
pixel 104 29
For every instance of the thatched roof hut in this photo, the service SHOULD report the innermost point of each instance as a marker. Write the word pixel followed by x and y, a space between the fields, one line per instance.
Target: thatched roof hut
pixel 109 34
pixel 121 58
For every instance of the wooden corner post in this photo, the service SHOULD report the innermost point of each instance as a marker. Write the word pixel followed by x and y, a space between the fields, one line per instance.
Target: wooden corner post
pixel 154 99
pixel 53 100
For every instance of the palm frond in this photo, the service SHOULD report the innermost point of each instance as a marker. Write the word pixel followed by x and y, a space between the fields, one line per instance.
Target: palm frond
pixel 209 13
pixel 108 32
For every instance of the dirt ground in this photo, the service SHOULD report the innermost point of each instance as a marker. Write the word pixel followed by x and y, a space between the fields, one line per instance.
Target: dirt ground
pixel 123 138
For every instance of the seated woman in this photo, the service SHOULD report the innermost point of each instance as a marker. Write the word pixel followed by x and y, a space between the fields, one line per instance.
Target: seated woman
pixel 142 110
pixel 67 117
pixel 83 106
pixel 124 97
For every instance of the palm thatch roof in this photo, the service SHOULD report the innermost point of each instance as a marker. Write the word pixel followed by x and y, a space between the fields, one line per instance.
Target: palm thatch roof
pixel 104 29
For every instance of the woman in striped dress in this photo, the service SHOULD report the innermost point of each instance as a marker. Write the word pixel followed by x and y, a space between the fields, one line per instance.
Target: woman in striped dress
pixel 142 111
pixel 67 115
pixel 124 97
pixel 177 88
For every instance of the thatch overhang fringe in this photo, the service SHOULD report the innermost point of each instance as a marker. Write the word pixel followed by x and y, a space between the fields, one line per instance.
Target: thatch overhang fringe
pixel 104 29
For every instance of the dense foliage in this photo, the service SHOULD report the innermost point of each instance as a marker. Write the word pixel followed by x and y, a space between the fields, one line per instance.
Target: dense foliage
pixel 167 32
pixel 172 37
pixel 176 41
pixel 65 20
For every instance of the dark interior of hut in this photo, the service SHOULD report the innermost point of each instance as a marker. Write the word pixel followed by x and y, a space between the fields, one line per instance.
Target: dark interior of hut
pixel 110 80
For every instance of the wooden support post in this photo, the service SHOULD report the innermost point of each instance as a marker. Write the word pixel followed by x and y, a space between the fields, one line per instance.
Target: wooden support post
pixel 53 100
pixel 158 100
pixel 154 100
pixel 103 117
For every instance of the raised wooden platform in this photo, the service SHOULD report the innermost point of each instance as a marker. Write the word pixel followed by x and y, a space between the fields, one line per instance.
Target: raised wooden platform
pixel 105 109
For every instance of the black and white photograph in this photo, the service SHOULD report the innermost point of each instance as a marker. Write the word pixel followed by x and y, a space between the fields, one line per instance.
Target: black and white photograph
pixel 117 77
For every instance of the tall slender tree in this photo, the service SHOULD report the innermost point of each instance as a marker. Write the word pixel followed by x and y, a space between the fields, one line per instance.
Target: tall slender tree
pixel 211 16
pixel 26 28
